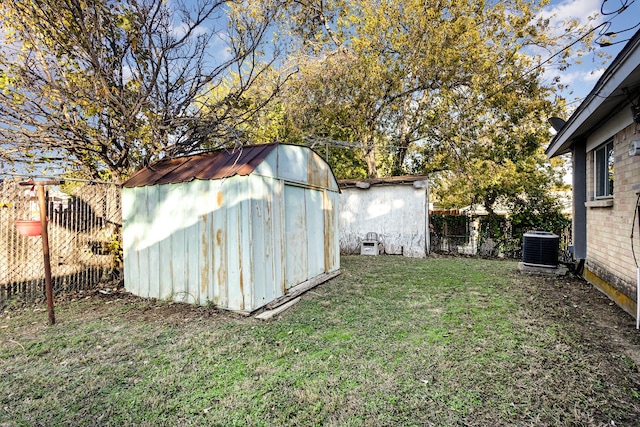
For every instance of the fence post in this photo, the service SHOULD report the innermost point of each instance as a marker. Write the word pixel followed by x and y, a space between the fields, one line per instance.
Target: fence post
pixel 45 243
pixel 45 253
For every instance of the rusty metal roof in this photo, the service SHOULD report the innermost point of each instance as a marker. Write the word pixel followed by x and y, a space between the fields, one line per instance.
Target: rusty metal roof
pixel 214 165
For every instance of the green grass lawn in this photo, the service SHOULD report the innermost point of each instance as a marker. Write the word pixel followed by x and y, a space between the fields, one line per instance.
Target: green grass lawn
pixel 391 341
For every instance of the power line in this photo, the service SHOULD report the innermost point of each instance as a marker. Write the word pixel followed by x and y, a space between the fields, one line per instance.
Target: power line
pixel 59 177
pixel 624 5
pixel 604 32
pixel 345 144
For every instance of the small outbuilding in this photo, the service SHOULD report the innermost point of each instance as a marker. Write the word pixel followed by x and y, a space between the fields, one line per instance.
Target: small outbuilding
pixel 394 211
pixel 236 228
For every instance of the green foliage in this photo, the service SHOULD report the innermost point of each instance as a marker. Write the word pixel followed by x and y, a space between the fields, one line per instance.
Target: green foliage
pixel 541 212
pixel 115 249
pixel 346 164
pixel 441 85
pixel 538 212
pixel 449 224
pixel 497 230
pixel 454 91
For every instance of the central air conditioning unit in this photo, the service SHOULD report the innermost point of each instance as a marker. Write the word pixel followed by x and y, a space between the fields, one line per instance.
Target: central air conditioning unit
pixel 540 249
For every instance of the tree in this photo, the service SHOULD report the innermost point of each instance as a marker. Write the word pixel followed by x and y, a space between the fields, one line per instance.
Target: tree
pixel 111 85
pixel 301 113
pixel 430 86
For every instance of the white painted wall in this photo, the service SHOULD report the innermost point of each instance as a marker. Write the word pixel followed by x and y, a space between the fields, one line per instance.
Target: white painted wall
pixel 398 213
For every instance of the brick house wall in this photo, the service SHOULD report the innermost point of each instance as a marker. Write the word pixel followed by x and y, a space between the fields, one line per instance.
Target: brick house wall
pixel 603 226
pixel 610 262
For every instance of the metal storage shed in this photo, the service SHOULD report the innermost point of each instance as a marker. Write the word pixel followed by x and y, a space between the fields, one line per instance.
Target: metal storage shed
pixel 234 228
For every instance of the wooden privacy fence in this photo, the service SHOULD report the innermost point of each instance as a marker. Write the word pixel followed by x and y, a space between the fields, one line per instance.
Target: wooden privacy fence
pixel 84 239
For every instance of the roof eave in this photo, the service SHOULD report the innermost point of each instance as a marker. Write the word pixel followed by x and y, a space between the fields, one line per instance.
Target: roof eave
pixel 598 105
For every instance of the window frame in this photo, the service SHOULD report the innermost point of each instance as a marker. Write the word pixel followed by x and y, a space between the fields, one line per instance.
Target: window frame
pixel 606 161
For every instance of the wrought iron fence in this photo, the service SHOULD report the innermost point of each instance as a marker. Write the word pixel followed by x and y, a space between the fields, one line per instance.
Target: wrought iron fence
pixel 448 243
pixel 469 235
pixel 84 239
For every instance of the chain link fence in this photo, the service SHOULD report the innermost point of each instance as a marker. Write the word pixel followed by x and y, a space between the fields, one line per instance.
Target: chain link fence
pixel 84 224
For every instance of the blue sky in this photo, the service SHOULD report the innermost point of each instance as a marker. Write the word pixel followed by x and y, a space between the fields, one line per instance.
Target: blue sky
pixel 579 79
pixel 582 78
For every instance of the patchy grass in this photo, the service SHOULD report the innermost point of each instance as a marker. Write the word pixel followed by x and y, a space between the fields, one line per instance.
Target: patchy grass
pixel 392 341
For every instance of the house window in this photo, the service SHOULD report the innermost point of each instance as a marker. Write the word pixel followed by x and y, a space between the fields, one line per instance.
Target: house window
pixel 604 170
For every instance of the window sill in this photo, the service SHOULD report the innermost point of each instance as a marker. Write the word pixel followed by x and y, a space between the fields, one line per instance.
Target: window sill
pixel 606 203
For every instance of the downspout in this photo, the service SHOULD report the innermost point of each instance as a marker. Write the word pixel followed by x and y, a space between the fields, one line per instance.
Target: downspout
pixel 637 268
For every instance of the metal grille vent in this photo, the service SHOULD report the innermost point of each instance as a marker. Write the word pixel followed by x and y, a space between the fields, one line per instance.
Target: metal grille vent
pixel 540 249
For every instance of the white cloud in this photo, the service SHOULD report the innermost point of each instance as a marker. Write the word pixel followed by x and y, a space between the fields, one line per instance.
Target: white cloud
pixel 593 75
pixel 578 83
pixel 180 30
pixel 219 47
pixel 580 78
pixel 560 12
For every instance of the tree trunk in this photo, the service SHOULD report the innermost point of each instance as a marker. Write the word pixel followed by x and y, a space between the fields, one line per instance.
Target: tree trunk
pixel 369 151
pixel 404 140
pixel 398 159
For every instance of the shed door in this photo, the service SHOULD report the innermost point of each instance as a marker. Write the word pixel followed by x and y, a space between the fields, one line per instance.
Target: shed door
pixel 295 225
pixel 315 233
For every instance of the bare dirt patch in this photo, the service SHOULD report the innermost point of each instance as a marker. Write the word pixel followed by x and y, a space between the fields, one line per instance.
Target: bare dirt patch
pixel 591 313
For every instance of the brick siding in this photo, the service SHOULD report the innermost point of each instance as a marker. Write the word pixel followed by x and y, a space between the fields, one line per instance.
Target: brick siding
pixel 609 249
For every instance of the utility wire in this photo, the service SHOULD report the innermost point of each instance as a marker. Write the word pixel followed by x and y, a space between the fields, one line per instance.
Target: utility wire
pixel 633 226
pixel 604 32
pixel 624 4
pixel 59 177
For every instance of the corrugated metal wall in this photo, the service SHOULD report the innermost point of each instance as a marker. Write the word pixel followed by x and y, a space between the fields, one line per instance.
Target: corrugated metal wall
pixel 182 238
pixel 238 242
pixel 266 242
